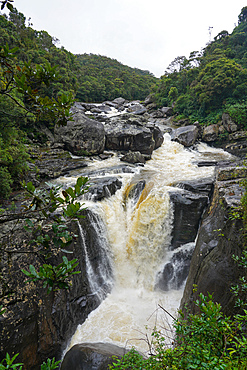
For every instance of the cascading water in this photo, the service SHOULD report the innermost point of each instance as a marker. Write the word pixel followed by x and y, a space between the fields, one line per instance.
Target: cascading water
pixel 137 221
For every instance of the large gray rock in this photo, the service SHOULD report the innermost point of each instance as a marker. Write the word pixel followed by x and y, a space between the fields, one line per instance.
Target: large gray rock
pixel 133 157
pixel 82 135
pixel 136 108
pixel 228 123
pixel 213 269
pixel 119 101
pixel 210 133
pixel 91 356
pixel 101 188
pixel 168 111
pixel 132 133
pixel 187 135
pixel 50 163
pixel 237 144
pixel 201 186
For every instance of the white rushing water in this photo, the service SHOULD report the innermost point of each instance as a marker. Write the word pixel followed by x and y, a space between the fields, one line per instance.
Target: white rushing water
pixel 139 235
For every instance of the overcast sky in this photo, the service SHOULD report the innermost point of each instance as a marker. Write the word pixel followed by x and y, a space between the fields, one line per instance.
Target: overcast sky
pixel 147 34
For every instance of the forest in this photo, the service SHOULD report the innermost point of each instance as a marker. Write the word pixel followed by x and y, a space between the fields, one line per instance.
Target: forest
pixel 210 81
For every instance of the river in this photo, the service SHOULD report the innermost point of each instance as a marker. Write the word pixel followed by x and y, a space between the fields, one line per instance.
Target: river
pixel 137 231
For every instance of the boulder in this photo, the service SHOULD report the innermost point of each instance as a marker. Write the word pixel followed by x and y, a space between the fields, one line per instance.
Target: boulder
pixel 119 101
pixel 210 133
pixel 133 157
pixel 168 111
pixel 82 135
pixel 149 99
pixel 213 269
pixel 91 356
pixel 101 188
pixel 136 108
pixel 157 114
pixel 151 107
pixel 157 134
pixel 132 133
pixel 50 163
pixel 237 144
pixel 201 186
pixel 228 123
pixel 186 135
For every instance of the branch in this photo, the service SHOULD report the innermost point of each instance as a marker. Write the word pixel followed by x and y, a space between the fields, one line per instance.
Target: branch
pixel 166 312
pixel 17 102
pixel 16 115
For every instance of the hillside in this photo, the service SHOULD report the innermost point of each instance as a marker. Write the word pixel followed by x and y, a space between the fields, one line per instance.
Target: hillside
pixel 91 78
pixel 209 82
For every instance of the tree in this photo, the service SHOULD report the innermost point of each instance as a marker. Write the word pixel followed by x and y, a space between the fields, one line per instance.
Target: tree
pixel 217 81
pixel 7 3
pixel 173 94
pixel 28 80
pixel 243 15
pixel 221 35
pixel 177 64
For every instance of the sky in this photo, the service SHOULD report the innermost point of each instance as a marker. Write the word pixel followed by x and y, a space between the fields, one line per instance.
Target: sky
pixel 146 34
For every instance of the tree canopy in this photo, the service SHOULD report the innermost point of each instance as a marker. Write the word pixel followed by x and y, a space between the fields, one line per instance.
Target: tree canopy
pixel 210 81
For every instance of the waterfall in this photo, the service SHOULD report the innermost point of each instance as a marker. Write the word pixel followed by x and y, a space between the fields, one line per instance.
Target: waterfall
pixel 136 224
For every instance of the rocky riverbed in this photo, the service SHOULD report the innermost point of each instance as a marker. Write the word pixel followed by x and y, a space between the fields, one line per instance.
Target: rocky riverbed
pixel 38 325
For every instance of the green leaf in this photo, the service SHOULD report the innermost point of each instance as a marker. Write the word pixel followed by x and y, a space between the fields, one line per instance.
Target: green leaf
pixel 33 271
pixel 66 251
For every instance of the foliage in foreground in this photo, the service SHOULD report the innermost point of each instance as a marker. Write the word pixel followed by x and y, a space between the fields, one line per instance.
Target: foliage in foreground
pixel 8 363
pixel 207 340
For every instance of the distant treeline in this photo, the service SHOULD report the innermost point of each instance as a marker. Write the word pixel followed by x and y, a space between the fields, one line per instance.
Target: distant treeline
pixel 91 78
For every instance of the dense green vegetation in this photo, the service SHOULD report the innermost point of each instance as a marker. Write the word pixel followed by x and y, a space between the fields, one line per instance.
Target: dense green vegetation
pixel 207 83
pixel 101 78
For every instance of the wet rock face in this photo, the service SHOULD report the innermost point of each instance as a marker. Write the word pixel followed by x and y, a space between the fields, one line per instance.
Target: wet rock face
pixel 103 188
pixel 37 325
pixel 175 271
pixel 188 209
pixel 88 356
pixel 212 268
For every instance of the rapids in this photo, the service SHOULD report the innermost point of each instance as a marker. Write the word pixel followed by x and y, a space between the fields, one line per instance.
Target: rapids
pixel 138 232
